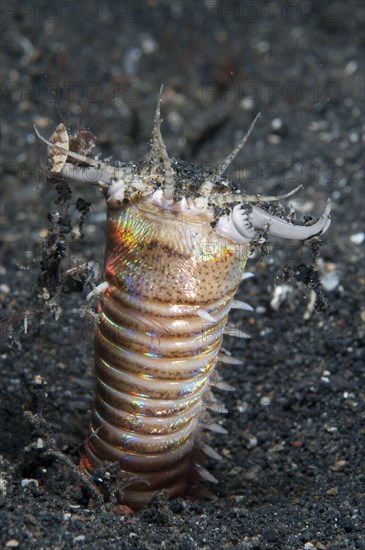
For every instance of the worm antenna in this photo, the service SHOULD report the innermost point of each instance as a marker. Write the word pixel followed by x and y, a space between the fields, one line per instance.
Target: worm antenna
pixel 159 153
pixel 66 152
pixel 209 182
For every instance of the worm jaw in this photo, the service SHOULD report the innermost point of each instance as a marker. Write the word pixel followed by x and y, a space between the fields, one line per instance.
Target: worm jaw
pixel 243 223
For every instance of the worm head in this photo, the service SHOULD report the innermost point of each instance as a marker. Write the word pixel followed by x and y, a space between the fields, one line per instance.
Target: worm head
pixel 181 187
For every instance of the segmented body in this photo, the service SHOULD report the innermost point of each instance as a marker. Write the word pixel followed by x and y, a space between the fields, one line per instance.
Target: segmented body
pixel 154 354
pixel 177 243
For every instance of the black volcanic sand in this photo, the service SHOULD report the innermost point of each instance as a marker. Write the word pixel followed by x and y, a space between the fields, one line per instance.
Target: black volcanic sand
pixel 291 475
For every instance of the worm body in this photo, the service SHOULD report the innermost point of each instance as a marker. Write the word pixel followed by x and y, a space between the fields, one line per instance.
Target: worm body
pixel 154 355
pixel 178 239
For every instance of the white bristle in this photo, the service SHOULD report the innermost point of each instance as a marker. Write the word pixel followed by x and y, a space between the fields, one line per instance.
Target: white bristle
pixel 214 427
pixel 205 474
pixel 209 451
pixel 237 304
pixel 229 360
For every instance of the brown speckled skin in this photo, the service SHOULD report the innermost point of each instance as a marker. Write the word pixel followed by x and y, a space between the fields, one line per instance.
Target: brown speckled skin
pixel 154 354
pixel 168 256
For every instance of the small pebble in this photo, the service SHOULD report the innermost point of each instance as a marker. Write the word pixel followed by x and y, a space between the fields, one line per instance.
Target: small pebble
pixel 331 429
pixel 276 123
pixel 354 137
pixel 338 465
pixel 252 442
pixel 130 61
pixel 273 139
pixel 265 401
pixel 325 376
pixel 357 238
pixel 26 482
pixel 41 122
pixel 350 68
pixel 242 408
pixel 330 281
pixel 278 448
pixel 263 46
pixel 247 104
pixel 280 294
pixel 123 510
pixel 348 395
pixel 12 543
pixel 38 380
pixel 3 484
pixel 4 289
pixel 149 45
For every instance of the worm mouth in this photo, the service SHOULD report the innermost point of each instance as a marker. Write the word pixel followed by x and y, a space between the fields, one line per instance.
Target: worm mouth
pixel 180 211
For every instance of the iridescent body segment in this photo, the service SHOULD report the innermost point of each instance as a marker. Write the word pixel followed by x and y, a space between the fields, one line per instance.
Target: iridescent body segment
pixel 154 354
pixel 177 242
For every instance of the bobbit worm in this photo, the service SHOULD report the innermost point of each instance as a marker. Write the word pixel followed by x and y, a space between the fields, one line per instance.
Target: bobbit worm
pixel 178 237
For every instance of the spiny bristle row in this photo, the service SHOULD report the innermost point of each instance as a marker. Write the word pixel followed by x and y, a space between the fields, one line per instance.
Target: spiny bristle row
pixel 149 406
